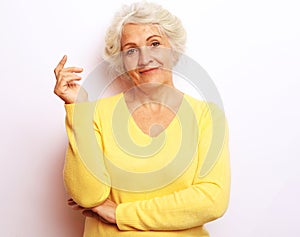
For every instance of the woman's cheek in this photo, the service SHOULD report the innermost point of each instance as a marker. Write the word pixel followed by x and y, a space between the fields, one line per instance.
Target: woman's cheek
pixel 130 63
pixel 164 57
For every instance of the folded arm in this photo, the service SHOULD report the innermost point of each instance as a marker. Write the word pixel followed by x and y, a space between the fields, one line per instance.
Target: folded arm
pixel 205 200
pixel 85 176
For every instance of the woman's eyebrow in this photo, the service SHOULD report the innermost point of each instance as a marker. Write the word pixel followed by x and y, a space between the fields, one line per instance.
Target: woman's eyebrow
pixel 152 36
pixel 128 44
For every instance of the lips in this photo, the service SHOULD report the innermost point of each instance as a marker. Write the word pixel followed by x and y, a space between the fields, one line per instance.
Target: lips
pixel 146 70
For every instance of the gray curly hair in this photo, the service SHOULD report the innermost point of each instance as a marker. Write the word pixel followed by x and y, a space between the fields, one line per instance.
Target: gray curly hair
pixel 142 13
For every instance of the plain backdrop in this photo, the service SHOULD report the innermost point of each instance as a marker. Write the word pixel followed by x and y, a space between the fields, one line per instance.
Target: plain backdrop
pixel 251 51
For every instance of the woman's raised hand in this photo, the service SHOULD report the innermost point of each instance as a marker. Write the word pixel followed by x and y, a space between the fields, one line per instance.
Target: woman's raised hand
pixel 66 87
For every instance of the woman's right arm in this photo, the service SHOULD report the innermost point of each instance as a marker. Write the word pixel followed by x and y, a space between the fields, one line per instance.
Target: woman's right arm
pixel 85 176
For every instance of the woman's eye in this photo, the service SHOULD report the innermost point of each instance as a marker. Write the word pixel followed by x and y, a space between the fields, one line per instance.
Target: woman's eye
pixel 131 51
pixel 155 43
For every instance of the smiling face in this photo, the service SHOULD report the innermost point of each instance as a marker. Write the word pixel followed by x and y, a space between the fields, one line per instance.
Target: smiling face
pixel 146 53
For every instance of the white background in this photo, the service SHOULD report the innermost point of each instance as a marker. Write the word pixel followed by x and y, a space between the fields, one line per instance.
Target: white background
pixel 250 49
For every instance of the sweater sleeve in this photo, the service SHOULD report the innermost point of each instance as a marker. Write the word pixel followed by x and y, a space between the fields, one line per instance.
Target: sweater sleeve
pixel 85 176
pixel 205 200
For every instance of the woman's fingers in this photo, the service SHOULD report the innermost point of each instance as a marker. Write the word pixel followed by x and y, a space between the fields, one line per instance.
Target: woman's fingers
pixel 72 69
pixel 77 207
pixel 68 76
pixel 64 81
pixel 68 72
pixel 89 213
pixel 74 205
pixel 63 86
pixel 60 65
pixel 60 68
pixel 71 202
pixel 106 210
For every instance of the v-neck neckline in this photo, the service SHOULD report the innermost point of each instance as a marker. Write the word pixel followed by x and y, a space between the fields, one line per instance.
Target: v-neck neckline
pixel 170 124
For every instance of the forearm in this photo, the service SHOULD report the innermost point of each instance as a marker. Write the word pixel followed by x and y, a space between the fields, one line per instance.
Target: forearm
pixel 85 176
pixel 191 207
pixel 81 184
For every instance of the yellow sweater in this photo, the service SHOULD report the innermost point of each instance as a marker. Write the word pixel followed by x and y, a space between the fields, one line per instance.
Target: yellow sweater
pixel 170 185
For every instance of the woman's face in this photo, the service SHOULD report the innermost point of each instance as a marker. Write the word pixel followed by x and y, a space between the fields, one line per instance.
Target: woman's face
pixel 146 53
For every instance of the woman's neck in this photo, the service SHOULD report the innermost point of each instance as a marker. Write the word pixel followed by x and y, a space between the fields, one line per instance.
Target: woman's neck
pixel 153 97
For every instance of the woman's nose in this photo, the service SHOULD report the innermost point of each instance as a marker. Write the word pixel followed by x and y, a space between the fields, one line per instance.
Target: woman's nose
pixel 144 56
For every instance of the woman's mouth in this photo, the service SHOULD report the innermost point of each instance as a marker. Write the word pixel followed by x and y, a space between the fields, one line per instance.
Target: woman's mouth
pixel 148 70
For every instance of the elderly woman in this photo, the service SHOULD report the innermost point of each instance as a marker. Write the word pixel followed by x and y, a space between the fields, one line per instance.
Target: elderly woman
pixel 139 163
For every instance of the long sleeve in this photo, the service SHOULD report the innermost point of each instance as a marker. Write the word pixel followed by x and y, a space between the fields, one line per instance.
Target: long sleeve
pixel 205 200
pixel 85 176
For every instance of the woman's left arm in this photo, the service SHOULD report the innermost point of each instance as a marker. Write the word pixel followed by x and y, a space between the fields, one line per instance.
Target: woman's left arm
pixel 207 199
